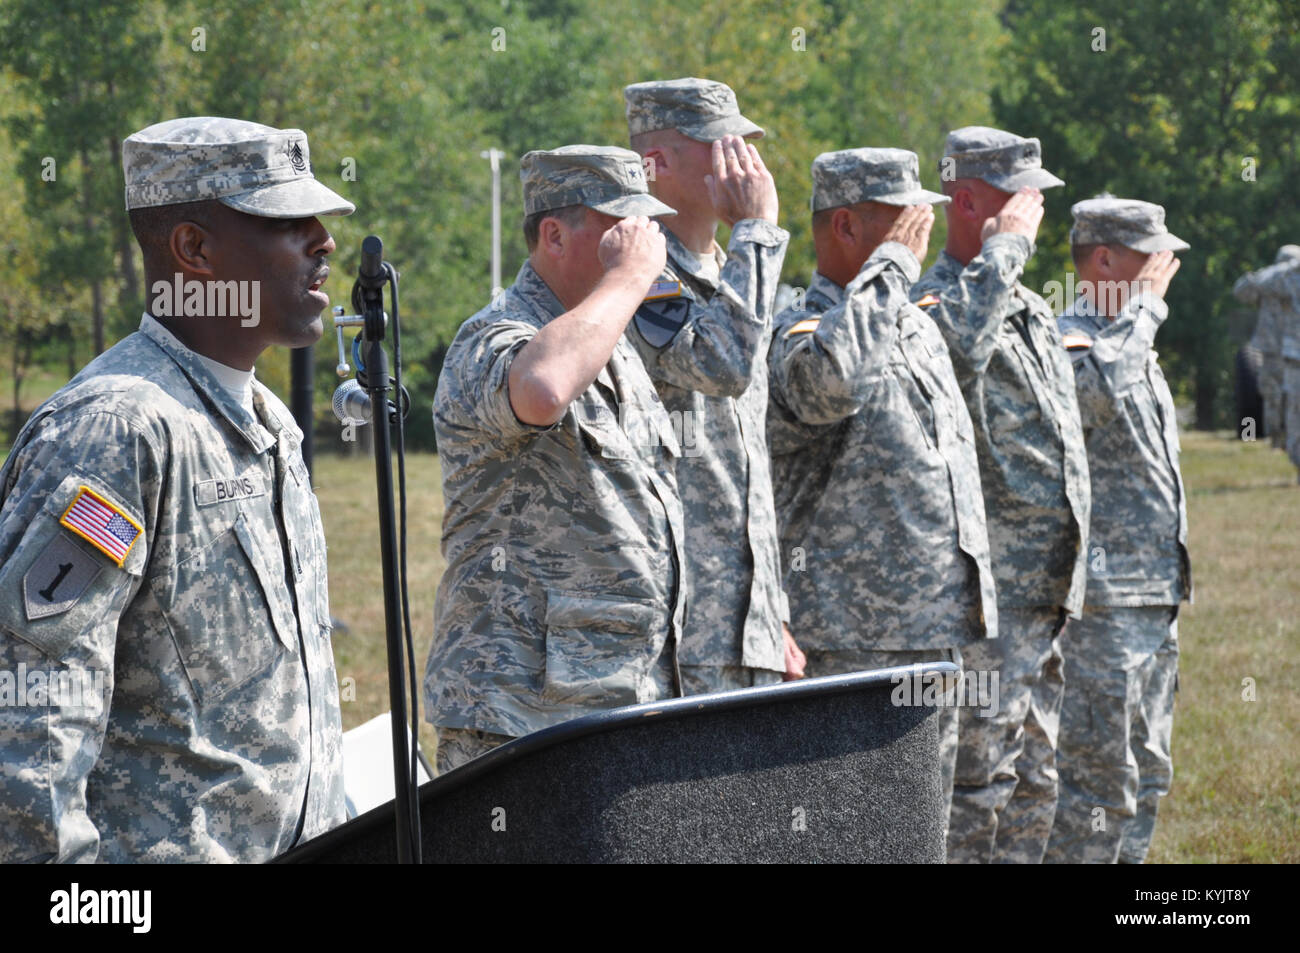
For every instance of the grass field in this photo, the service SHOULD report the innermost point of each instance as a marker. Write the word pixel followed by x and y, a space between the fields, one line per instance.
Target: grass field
pixel 1235 796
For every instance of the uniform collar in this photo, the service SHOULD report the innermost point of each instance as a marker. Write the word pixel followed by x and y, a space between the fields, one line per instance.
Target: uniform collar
pixel 823 286
pixel 260 434
pixel 536 293
pixel 1082 310
pixel 689 262
pixel 946 264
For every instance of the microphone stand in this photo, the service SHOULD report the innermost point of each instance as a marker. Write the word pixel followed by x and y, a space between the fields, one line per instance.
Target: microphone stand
pixel 368 297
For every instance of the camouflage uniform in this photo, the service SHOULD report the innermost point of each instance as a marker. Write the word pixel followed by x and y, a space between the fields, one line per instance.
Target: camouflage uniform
pixel 1121 658
pixel 873 457
pixel 159 537
pixel 1018 386
pixel 1275 290
pixel 222 741
pixel 562 592
pixel 703 336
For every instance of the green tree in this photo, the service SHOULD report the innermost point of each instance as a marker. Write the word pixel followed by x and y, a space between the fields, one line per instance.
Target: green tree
pixel 84 72
pixel 1191 105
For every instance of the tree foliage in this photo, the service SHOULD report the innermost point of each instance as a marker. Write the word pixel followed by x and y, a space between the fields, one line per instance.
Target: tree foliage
pixel 400 98
pixel 1191 105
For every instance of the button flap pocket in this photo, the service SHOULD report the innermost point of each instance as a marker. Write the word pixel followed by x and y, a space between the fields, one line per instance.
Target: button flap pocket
pixel 598 650
pixel 218 616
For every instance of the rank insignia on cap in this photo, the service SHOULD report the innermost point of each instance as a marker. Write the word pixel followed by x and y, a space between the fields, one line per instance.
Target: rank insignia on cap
pixel 804 326
pixel 101 524
pixel 926 301
pixel 296 158
pixel 663 288
pixel 1074 340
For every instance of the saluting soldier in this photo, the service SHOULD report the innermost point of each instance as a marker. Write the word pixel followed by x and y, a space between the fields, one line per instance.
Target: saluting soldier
pixel 1019 388
pixel 562 529
pixel 703 333
pixel 1275 290
pixel 1121 658
pixel 873 454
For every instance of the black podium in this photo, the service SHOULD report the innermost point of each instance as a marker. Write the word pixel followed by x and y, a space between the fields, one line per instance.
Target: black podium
pixel 820 770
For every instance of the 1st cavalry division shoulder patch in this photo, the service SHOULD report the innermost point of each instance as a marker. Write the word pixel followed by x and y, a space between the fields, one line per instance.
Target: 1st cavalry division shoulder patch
pixel 101 524
pixel 663 312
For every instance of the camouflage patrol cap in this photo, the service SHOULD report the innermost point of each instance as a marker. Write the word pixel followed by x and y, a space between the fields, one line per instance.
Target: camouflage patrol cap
pixel 1287 253
pixel 1106 220
pixel 850 176
pixel 1002 159
pixel 247 166
pixel 605 178
pixel 702 109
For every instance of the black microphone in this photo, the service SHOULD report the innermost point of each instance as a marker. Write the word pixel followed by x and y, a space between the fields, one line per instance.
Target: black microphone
pixel 370 273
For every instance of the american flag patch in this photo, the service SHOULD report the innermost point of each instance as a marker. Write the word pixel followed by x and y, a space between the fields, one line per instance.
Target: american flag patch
pixel 101 524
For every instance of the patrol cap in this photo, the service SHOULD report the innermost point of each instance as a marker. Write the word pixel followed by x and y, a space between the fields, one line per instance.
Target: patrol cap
pixel 247 166
pixel 605 178
pixel 1002 159
pixel 1287 253
pixel 1106 220
pixel 850 176
pixel 699 108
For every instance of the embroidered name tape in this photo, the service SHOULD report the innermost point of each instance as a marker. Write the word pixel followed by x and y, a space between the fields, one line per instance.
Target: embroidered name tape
pixel 101 524
pixel 208 492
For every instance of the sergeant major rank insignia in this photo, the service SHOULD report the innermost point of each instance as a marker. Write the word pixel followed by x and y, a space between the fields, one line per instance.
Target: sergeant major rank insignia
pixel 297 159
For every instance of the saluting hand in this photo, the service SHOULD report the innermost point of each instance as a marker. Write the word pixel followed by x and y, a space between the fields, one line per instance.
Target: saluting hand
pixel 634 245
pixel 1156 273
pixel 740 186
pixel 1020 216
pixel 912 228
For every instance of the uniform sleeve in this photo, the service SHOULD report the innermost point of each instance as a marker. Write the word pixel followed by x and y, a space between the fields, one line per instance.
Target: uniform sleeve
pixel 1111 362
pixel 1268 338
pixel 1276 279
pixel 824 368
pixel 711 346
pixel 1246 290
pixel 477 375
pixel 75 525
pixel 970 313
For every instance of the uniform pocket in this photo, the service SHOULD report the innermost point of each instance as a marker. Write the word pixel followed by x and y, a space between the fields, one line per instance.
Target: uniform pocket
pixel 1100 718
pixel 602 433
pixel 598 648
pixel 219 616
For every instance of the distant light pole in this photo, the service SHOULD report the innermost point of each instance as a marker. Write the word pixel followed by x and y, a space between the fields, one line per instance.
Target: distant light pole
pixel 494 156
